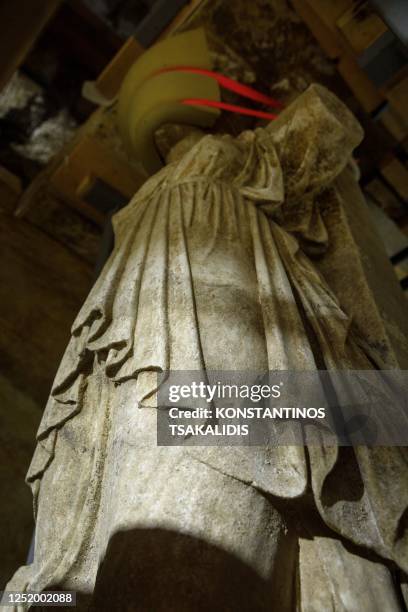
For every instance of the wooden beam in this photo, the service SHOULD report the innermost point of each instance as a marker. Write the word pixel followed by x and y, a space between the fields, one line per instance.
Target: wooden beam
pixel 186 13
pixel 360 84
pixel 325 36
pixel 394 171
pixel 10 190
pixel 361 27
pixel 110 80
pixel 21 23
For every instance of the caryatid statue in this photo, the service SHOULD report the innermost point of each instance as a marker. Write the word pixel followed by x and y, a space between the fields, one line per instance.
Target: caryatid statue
pixel 210 271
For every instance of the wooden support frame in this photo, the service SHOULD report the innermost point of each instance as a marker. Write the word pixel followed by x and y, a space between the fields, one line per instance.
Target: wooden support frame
pixel 21 23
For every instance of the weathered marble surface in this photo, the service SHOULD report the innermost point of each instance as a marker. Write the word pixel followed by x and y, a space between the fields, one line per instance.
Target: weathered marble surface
pixel 210 271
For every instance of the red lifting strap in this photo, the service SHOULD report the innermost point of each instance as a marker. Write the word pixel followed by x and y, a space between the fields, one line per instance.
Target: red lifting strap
pixel 233 108
pixel 227 83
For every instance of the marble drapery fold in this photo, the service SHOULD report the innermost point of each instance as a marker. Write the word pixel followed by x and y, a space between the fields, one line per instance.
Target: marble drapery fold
pixel 210 270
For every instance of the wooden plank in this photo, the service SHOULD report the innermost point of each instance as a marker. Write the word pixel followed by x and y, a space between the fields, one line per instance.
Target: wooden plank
pixel 110 80
pixel 74 202
pixel 361 26
pixel 21 23
pixel 359 83
pixel 396 125
pixel 398 97
pixel 384 197
pixel 93 151
pixel 400 271
pixel 186 13
pixel 10 190
pixel 325 36
pixel 394 171
pixel 41 181
pixel 322 16
pixel 90 160
pixel 330 11
pixel 12 181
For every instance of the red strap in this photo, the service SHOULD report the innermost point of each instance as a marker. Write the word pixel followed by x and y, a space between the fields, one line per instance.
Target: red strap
pixel 227 83
pixel 229 107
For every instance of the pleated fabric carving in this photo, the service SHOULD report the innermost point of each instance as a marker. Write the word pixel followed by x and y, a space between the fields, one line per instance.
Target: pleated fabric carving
pixel 210 270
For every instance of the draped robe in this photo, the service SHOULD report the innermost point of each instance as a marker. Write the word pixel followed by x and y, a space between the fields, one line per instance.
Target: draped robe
pixel 210 271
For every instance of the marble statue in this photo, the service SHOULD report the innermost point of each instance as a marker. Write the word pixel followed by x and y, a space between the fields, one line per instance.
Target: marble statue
pixel 213 268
